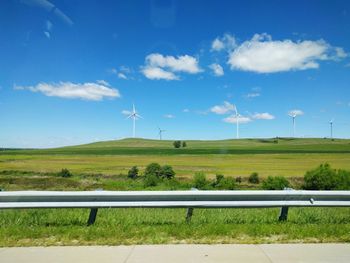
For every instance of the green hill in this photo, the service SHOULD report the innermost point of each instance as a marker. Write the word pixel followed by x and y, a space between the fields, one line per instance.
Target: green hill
pixel 241 146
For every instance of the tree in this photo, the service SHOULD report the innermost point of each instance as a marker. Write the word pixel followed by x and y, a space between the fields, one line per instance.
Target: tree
pixel 65 173
pixel 184 144
pixel 153 169
pixel 167 172
pixel 254 178
pixel 133 172
pixel 177 144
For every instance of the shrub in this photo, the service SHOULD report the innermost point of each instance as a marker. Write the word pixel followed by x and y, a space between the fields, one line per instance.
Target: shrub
pixel 200 181
pixel 343 180
pixel 227 183
pixel 239 179
pixel 151 180
pixel 153 169
pixel 321 178
pixel 65 173
pixel 184 144
pixel 167 172
pixel 275 183
pixel 133 172
pixel 177 144
pixel 254 178
pixel 326 178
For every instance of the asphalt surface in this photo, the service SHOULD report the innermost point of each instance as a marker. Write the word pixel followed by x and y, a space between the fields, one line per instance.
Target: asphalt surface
pixel 180 253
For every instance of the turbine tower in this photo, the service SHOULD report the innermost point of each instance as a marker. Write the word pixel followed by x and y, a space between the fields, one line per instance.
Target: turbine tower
pixel 293 115
pixel 160 133
pixel 331 124
pixel 135 116
pixel 237 115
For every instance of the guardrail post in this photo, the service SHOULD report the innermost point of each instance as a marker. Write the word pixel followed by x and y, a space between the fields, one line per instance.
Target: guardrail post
pixel 93 213
pixel 190 209
pixel 284 210
pixel 189 214
pixel 92 216
pixel 283 214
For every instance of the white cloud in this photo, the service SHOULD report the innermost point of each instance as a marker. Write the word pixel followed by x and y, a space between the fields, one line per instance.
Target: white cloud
pixel 263 116
pixel 122 75
pixel 261 54
pixel 126 112
pixel 122 72
pixel 102 82
pixel 253 95
pixel 158 73
pixel 223 109
pixel 295 112
pixel 186 110
pixel 169 116
pixel 217 69
pixel 69 90
pixel 234 118
pixel 227 42
pixel 158 66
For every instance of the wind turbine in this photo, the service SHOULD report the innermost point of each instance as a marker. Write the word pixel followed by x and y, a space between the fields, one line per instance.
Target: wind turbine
pixel 237 115
pixel 331 124
pixel 134 115
pixel 160 133
pixel 293 115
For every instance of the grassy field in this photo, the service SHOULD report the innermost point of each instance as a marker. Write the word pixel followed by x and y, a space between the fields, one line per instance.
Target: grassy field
pixel 157 226
pixel 288 157
pixel 105 164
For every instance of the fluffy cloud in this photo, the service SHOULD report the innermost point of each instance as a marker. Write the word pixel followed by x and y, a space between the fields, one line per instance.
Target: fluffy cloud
pixel 261 54
pixel 223 109
pixel 234 119
pixel 263 116
pixel 158 73
pixel 158 66
pixel 227 42
pixel 68 90
pixel 217 69
pixel 295 113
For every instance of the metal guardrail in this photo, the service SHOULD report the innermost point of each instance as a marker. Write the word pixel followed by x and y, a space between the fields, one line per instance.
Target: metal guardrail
pixel 174 199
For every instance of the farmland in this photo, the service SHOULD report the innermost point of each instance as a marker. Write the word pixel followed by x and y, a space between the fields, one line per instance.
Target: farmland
pixel 288 157
pixel 105 165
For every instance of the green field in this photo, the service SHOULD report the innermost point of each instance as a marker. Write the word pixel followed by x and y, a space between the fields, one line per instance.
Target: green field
pixel 289 157
pixel 105 165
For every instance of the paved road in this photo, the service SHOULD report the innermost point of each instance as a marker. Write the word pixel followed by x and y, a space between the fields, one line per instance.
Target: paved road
pixel 181 253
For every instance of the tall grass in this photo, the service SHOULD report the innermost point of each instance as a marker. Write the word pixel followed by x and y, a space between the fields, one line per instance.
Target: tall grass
pixel 158 226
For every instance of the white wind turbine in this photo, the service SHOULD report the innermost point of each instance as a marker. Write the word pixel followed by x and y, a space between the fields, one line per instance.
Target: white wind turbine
pixel 331 124
pixel 135 116
pixel 237 116
pixel 293 115
pixel 160 133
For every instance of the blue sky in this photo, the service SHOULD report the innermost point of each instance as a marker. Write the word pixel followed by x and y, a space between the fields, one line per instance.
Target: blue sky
pixel 71 70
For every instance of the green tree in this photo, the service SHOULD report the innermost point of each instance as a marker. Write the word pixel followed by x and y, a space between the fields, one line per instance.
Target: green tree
pixel 133 172
pixel 153 169
pixel 184 144
pixel 254 178
pixel 167 172
pixel 177 144
pixel 65 173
